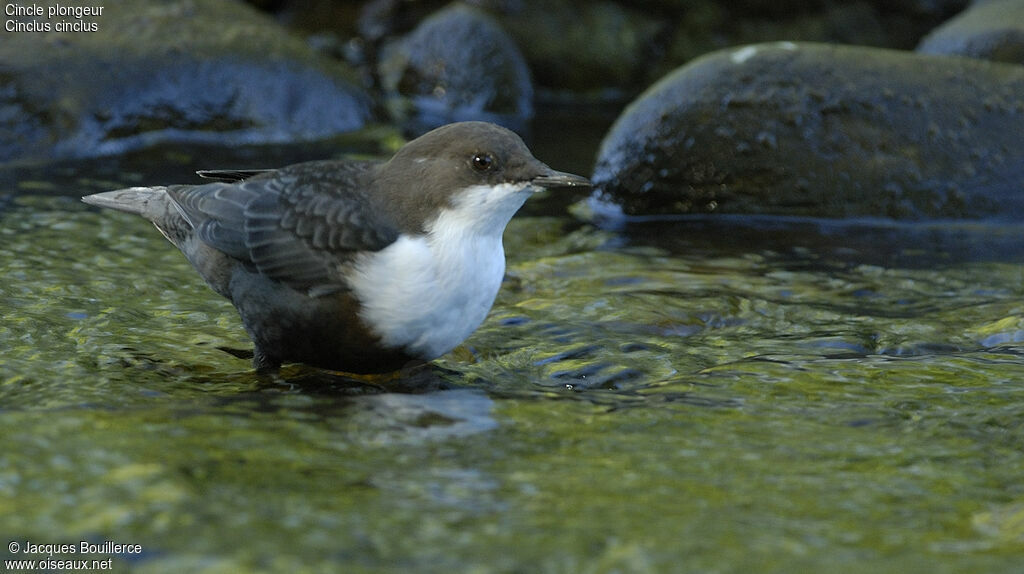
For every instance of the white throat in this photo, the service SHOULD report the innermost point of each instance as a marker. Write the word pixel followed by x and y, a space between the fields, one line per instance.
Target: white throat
pixel 427 293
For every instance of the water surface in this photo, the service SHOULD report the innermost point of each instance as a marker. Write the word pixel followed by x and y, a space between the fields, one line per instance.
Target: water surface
pixel 712 395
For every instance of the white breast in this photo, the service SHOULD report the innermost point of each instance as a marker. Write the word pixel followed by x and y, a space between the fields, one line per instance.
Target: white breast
pixel 427 293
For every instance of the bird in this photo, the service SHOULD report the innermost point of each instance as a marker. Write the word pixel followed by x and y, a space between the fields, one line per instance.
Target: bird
pixel 359 266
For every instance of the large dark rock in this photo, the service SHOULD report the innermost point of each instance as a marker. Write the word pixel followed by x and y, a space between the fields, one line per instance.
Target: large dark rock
pixel 188 70
pixel 457 65
pixel 989 30
pixel 815 130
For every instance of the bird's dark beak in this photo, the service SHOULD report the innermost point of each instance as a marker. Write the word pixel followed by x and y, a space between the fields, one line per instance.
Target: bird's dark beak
pixel 553 179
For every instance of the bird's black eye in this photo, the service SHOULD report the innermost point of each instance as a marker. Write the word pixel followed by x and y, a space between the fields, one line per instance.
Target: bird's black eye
pixel 483 161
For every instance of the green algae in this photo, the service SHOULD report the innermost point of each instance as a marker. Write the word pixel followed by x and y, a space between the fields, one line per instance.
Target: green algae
pixel 631 405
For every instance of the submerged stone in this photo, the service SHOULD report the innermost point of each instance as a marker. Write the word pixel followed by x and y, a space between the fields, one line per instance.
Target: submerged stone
pixel 457 65
pixel 988 30
pixel 816 130
pixel 202 70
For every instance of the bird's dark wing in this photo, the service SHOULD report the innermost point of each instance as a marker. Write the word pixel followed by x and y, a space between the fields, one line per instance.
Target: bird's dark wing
pixel 297 225
pixel 231 175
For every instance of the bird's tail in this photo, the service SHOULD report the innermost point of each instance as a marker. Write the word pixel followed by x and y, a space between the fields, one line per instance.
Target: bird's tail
pixel 156 205
pixel 149 202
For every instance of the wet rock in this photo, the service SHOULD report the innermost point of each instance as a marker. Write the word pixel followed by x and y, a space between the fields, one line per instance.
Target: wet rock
pixel 609 50
pixel 316 16
pixel 456 65
pixel 988 30
pixel 717 25
pixel 815 130
pixel 192 70
pixel 585 46
pixel 703 26
pixel 382 19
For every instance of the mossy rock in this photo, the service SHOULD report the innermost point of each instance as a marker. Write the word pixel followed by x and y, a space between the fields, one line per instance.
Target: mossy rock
pixel 817 130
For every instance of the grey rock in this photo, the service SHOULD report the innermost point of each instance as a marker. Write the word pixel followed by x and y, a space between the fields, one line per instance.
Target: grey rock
pixel 988 30
pixel 816 130
pixel 190 70
pixel 457 65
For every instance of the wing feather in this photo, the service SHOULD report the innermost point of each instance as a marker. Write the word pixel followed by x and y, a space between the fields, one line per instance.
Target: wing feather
pixel 298 225
pixel 231 175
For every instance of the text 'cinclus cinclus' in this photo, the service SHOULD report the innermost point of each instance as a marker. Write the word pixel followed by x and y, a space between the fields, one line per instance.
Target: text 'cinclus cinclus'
pixel 357 266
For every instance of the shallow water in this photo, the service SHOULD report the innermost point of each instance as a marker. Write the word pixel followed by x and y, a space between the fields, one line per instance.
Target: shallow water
pixel 712 395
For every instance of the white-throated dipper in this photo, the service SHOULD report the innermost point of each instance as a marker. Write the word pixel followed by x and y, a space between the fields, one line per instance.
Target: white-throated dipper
pixel 356 266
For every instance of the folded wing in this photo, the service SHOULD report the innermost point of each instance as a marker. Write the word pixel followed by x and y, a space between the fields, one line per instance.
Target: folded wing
pixel 299 225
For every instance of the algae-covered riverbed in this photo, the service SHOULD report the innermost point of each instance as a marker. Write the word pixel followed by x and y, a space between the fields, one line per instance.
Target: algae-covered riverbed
pixel 698 395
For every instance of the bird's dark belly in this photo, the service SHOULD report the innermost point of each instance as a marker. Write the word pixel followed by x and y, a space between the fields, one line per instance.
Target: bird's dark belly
pixel 325 332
